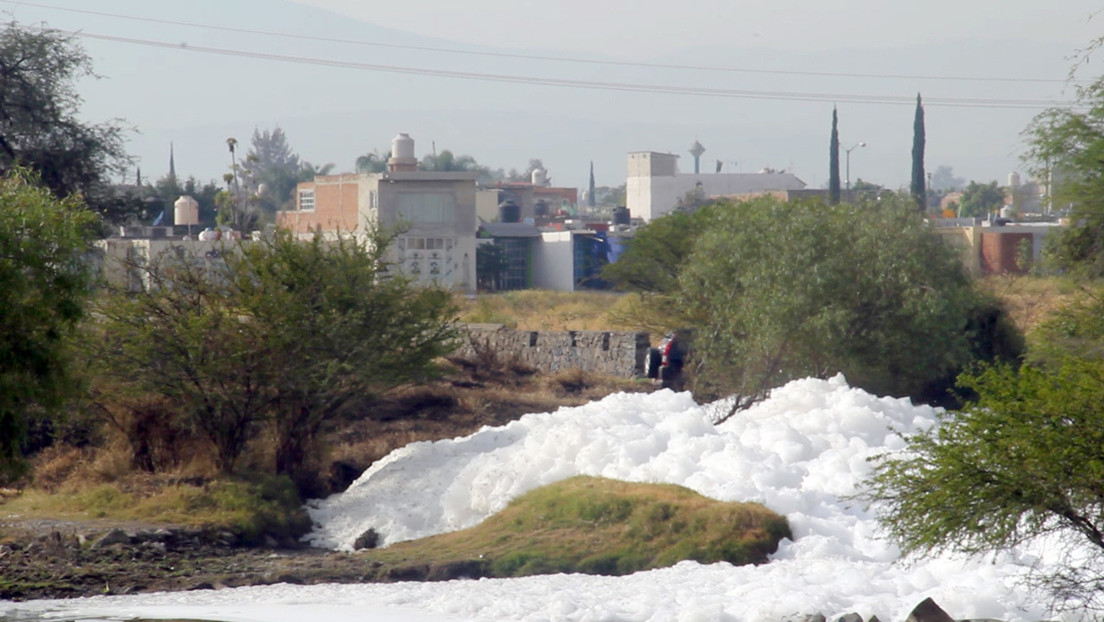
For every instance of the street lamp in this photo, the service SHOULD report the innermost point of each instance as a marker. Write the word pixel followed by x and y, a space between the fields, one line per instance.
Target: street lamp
pixel 854 147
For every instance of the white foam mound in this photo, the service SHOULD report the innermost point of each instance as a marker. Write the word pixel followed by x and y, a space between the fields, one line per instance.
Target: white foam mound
pixel 798 453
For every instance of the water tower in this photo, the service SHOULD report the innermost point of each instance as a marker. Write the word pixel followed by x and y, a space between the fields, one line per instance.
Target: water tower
pixel 697 150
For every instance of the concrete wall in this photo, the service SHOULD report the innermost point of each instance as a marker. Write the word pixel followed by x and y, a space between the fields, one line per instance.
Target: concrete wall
pixel 616 353
pixel 122 262
pixel 998 253
pixel 967 242
pixel 486 205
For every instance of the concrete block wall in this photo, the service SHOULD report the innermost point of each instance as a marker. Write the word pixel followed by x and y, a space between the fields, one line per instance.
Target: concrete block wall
pixel 616 353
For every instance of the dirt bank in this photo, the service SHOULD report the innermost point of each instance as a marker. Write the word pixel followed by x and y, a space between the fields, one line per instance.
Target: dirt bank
pixel 55 559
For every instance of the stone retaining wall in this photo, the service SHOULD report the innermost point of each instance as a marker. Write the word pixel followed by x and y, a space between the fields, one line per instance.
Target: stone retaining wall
pixel 616 353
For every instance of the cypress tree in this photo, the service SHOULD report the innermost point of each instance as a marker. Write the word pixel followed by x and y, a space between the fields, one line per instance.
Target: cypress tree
pixel 590 191
pixel 919 193
pixel 833 163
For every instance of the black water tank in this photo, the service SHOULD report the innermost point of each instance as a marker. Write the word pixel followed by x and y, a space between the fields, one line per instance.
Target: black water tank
pixel 508 211
pixel 621 215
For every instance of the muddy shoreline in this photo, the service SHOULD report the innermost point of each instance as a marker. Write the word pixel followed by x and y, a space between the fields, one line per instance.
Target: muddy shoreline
pixel 63 561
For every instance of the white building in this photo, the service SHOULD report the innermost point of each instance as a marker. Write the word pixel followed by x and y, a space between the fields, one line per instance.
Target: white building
pixel 654 184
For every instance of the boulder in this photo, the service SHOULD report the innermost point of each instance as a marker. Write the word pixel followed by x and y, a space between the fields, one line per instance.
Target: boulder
pixel 928 611
pixel 115 536
pixel 367 540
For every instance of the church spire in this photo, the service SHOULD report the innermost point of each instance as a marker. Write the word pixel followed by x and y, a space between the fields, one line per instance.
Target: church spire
pixel 172 164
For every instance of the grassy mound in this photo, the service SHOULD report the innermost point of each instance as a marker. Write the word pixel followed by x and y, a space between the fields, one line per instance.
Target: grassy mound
pixel 600 526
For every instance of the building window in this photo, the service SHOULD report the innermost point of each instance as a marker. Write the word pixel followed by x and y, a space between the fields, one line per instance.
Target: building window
pixel 425 244
pixel 306 200
pixel 426 207
pixel 373 199
pixel 516 275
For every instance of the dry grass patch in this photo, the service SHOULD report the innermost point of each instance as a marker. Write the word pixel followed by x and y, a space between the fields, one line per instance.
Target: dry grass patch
pixel 1030 300
pixel 544 310
pixel 251 507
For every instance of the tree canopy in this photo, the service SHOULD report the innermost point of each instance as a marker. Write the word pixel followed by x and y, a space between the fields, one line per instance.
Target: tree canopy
pixel 1024 460
pixel 980 200
pixel 40 124
pixel 655 256
pixel 787 290
pixel 778 291
pixel 1065 147
pixel 45 281
pixel 271 169
pixel 943 180
pixel 277 334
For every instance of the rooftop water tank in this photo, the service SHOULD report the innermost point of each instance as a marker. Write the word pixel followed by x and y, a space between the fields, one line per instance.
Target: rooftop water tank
pixel 621 215
pixel 540 177
pixel 508 211
pixel 402 154
pixel 186 211
pixel 402 147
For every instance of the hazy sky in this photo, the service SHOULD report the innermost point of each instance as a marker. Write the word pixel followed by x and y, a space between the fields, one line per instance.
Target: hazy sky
pixel 755 82
pixel 641 27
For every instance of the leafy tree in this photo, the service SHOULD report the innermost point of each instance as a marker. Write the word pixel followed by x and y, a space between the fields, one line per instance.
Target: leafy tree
pixel 1064 147
pixel 787 290
pixel 45 280
pixel 527 174
pixel 1075 329
pixel 863 190
pixel 447 161
pixel 833 163
pixel 943 180
pixel 1024 461
pixel 276 333
pixel 338 329
pixel 40 126
pixel 617 195
pixel 693 200
pixel 655 256
pixel 183 338
pixel 272 166
pixel 979 200
pixel 308 171
pixel 919 193
pixel 372 162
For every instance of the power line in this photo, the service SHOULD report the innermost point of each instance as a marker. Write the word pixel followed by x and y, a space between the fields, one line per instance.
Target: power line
pixel 563 59
pixel 586 84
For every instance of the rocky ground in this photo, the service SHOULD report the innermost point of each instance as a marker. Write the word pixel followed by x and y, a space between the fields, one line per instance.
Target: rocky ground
pixel 53 559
